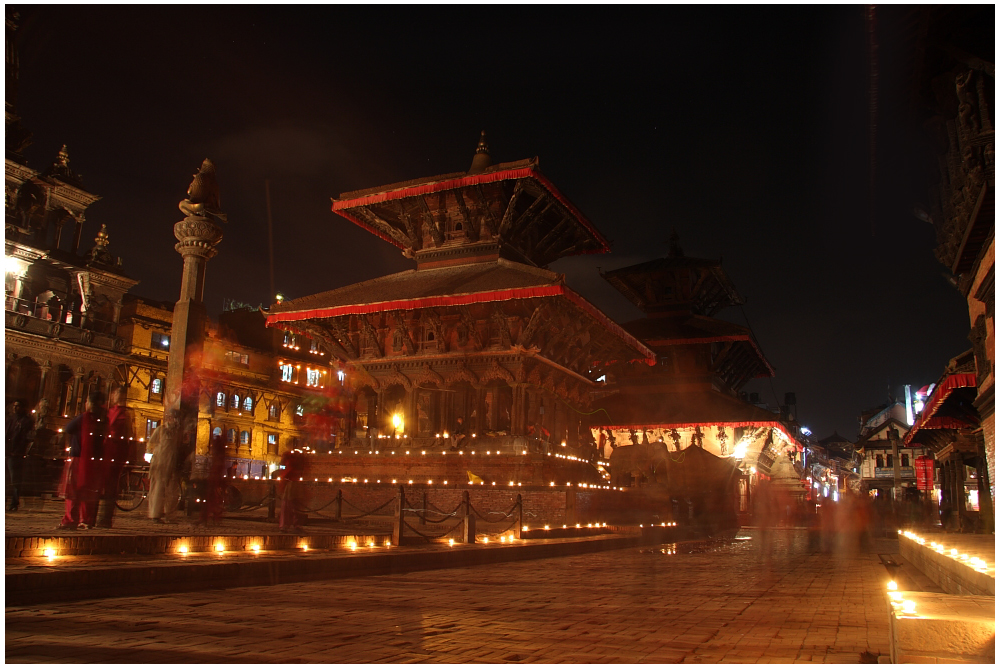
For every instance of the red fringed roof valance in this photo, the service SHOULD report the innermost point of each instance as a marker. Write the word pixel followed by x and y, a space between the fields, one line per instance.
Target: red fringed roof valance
pixel 927 419
pixel 468 299
pixel 340 206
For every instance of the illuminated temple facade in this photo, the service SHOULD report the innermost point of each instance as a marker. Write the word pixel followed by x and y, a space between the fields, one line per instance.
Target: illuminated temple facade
pixel 690 398
pixel 480 330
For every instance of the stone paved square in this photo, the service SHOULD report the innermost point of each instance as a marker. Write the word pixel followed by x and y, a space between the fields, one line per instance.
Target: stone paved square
pixel 753 600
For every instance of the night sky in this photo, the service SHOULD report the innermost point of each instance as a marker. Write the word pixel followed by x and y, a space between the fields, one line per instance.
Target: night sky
pixel 743 128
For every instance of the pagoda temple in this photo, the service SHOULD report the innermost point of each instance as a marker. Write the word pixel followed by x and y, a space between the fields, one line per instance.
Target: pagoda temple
pixel 688 402
pixel 480 339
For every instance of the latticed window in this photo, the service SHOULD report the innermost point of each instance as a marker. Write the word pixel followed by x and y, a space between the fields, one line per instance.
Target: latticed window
pixel 248 404
pixel 312 377
pixel 156 386
pixel 235 404
pixel 272 412
pixel 287 371
pixel 244 437
pixel 220 399
pixel 272 444
pixel 231 436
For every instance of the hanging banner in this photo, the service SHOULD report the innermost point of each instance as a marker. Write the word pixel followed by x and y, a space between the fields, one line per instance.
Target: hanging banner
pixel 925 472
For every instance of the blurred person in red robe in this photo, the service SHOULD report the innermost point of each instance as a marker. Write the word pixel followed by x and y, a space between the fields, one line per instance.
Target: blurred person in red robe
pixel 211 511
pixel 117 451
pixel 86 471
pixel 291 490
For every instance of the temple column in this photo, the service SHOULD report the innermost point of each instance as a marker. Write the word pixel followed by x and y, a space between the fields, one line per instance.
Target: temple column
pixel 480 422
pixel 517 410
pixel 376 417
pixel 197 235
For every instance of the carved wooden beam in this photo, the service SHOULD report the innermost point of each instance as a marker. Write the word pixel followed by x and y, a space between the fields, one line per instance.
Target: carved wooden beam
pixel 720 358
pixel 378 223
pixel 553 235
pixel 540 205
pixel 529 330
pixel 508 215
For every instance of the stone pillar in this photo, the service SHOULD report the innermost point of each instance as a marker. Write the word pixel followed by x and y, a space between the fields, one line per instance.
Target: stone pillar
pixel 77 388
pixel 197 235
pixel 897 485
pixel 518 420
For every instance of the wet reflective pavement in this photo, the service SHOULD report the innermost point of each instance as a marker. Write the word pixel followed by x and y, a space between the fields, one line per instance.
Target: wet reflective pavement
pixel 761 597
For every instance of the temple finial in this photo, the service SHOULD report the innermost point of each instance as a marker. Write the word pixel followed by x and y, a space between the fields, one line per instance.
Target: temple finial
pixel 481 160
pixel 102 240
pixel 62 158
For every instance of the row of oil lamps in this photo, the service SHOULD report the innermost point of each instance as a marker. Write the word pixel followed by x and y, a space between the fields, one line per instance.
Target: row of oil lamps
pixel 974 562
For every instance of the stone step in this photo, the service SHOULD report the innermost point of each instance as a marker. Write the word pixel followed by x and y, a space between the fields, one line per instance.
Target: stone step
pixel 941 628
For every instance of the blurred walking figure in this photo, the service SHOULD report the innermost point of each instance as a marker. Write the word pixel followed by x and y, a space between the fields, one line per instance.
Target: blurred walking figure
pixel 19 426
pixel 164 482
pixel 85 472
pixel 211 511
pixel 290 490
pixel 117 450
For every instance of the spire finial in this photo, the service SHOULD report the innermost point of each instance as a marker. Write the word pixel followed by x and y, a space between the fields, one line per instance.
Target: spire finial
pixel 481 160
pixel 102 240
pixel 62 158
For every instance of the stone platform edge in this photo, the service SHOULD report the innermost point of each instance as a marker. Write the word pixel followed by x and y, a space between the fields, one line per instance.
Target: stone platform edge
pixel 954 576
pixel 31 588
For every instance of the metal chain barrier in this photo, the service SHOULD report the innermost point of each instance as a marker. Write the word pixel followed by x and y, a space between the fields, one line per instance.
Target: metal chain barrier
pixel 484 518
pixel 434 537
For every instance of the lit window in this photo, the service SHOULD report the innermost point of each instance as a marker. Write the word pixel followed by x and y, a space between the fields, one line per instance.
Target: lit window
pixel 236 358
pixel 216 431
pixel 231 436
pixel 314 348
pixel 156 386
pixel 272 412
pixel 220 399
pixel 289 339
pixel 244 437
pixel 312 377
pixel 272 444
pixel 286 372
pixel 236 401
pixel 299 410
pixel 159 341
pixel 248 404
pixel 151 425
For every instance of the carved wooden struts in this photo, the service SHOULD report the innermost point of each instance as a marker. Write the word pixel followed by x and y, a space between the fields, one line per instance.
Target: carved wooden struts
pixel 529 330
pixel 412 227
pixel 376 222
pixel 437 233
pixel 489 216
pixel 469 227
pixel 372 334
pixel 316 331
pixel 508 215
pixel 343 338
pixel 403 332
pixel 471 328
pixel 500 321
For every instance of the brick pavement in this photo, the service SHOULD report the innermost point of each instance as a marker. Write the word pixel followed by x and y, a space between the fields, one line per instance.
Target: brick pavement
pixel 727 602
